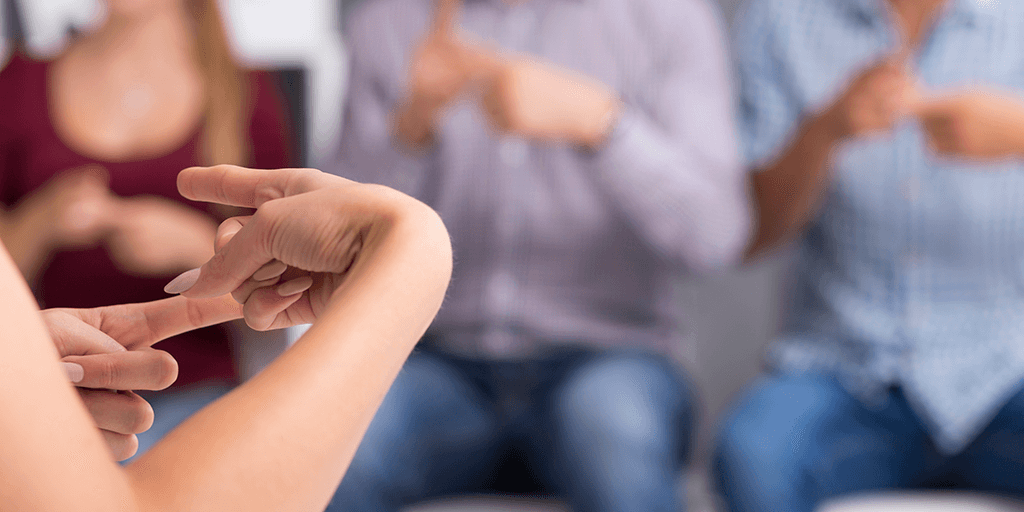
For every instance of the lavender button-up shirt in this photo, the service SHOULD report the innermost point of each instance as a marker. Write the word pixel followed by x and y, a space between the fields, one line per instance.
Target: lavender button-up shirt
pixel 555 245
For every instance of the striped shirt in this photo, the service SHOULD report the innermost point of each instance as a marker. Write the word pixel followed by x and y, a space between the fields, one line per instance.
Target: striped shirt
pixel 554 245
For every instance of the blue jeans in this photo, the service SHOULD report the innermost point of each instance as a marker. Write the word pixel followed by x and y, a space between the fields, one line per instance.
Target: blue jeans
pixel 606 431
pixel 795 441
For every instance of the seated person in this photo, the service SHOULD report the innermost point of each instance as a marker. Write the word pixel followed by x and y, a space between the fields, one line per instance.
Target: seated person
pixel 887 136
pixel 90 145
pixel 584 160
pixel 366 265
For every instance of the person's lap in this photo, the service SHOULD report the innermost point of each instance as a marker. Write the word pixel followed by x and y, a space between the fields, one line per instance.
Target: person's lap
pixel 620 425
pixel 607 431
pixel 794 441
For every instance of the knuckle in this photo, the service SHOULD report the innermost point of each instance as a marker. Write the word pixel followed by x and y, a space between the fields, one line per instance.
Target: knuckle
pixel 106 373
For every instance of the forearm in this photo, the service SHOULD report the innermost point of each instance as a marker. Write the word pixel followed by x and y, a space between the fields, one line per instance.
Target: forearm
pixel 53 456
pixel 283 440
pixel 686 199
pixel 23 233
pixel 789 192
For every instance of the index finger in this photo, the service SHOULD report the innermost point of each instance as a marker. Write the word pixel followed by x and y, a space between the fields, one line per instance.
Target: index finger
pixel 249 188
pixel 144 324
pixel 446 16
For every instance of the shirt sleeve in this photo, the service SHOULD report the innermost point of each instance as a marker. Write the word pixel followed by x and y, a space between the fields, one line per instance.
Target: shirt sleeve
pixel 768 112
pixel 673 165
pixel 368 151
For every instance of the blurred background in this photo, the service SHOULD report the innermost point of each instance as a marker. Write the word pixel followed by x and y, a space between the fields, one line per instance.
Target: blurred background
pixel 299 42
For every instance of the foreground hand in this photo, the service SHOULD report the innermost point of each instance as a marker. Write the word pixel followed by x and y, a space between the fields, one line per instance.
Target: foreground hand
pixel 537 100
pixel 106 353
pixel 153 236
pixel 315 225
pixel 874 101
pixel 974 124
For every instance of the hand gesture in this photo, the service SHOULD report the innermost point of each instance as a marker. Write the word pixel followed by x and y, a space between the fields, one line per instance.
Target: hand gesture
pixel 978 124
pixel 153 236
pixel 533 99
pixel 72 209
pixel 310 229
pixel 107 354
pixel 874 101
pixel 443 67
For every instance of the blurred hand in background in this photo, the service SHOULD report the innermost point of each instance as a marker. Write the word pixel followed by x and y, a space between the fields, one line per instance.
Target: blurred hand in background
pixel 978 124
pixel 443 67
pixel 521 95
pixel 153 236
pixel 72 210
pixel 874 101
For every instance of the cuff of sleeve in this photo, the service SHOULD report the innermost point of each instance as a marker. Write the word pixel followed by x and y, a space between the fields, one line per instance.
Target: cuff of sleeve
pixel 617 152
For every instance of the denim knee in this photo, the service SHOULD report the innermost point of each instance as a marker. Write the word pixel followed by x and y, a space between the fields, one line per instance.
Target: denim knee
pixel 627 400
pixel 768 442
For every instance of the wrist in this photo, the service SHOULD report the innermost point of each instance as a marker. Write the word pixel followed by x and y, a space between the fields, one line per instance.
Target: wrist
pixel 32 226
pixel 831 125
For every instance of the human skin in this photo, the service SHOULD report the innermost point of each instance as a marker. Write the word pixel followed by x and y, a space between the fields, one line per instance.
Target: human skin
pixel 520 95
pixel 107 374
pixel 379 263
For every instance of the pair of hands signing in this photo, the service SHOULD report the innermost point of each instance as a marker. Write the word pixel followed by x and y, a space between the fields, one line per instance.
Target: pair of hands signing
pixel 276 268
pixel 149 236
pixel 519 95
pixel 975 123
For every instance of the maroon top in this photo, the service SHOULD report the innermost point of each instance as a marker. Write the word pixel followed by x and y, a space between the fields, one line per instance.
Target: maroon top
pixel 31 153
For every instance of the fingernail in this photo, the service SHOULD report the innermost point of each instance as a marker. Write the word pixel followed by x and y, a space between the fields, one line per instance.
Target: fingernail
pixel 75 372
pixel 295 286
pixel 269 271
pixel 183 282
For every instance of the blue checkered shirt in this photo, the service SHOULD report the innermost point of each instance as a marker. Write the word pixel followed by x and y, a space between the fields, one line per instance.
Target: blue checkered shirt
pixel 912 273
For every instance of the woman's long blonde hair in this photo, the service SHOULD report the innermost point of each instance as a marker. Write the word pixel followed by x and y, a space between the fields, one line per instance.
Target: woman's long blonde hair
pixel 224 139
